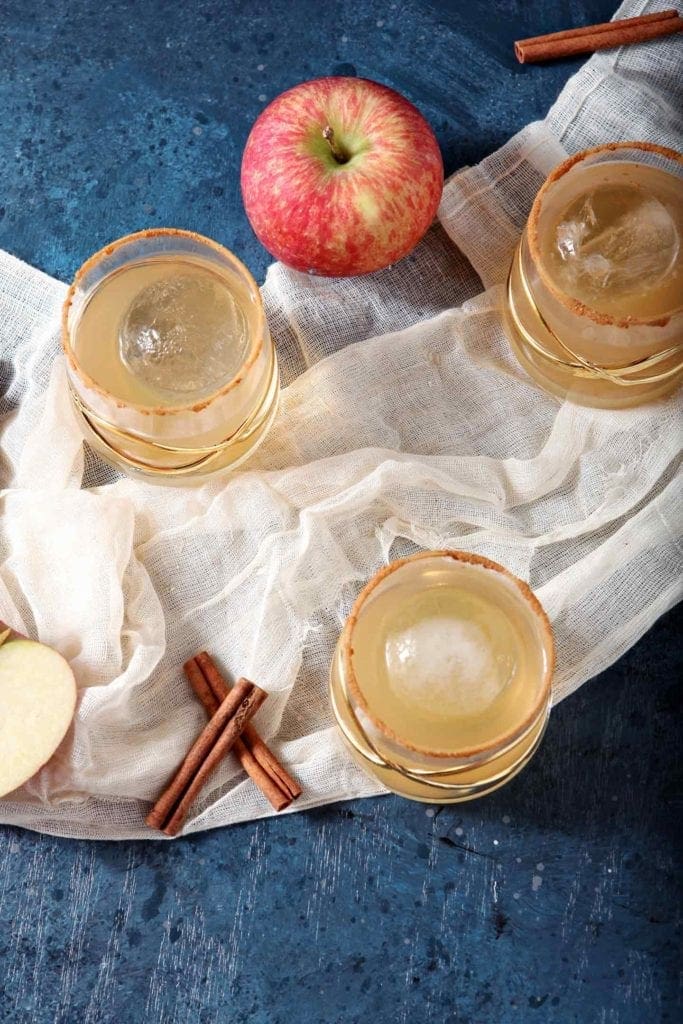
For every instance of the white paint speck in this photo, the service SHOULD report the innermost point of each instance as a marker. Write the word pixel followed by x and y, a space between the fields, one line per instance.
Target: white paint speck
pixel 518 859
pixel 406 942
pixel 197 130
pixel 430 812
pixel 344 39
pixel 506 819
pixel 380 23
pixel 536 882
pixel 260 67
pixel 458 831
pixel 263 97
pixel 540 866
pixel 515 895
pixel 495 842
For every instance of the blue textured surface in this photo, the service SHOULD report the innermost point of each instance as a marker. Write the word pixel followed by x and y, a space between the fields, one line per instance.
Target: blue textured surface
pixel 119 116
pixel 554 900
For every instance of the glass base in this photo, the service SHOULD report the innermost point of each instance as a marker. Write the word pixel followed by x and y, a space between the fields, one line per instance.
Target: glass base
pixel 593 394
pixel 141 458
pixel 462 784
pixel 564 381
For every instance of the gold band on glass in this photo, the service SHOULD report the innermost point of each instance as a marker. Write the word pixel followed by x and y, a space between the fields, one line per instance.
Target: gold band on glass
pixel 206 454
pixel 578 365
pixel 427 776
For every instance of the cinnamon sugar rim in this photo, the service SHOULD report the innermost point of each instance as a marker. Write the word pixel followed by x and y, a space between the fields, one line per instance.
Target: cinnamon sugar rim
pixel 165 410
pixel 498 743
pixel 574 305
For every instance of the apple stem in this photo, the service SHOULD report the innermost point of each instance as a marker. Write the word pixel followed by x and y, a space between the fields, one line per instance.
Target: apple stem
pixel 337 152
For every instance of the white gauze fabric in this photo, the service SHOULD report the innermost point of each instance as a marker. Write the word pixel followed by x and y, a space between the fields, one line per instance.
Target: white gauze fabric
pixel 405 423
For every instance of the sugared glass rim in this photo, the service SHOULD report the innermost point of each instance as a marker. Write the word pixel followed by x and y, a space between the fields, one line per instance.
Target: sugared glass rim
pixel 151 233
pixel 525 593
pixel 570 303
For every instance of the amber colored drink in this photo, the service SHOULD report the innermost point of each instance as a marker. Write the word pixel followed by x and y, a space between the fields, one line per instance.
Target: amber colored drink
pixel 441 679
pixel 170 362
pixel 595 292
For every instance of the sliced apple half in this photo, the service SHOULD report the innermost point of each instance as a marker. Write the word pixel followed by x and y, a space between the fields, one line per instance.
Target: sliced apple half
pixel 37 703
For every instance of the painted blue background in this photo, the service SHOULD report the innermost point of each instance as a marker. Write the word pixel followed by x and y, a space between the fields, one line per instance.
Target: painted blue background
pixel 555 900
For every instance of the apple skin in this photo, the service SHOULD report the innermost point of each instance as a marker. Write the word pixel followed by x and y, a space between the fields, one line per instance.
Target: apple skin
pixel 336 219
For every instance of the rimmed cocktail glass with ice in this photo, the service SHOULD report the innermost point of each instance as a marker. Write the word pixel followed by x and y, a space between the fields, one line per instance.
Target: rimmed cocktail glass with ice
pixel 172 370
pixel 594 296
pixel 441 679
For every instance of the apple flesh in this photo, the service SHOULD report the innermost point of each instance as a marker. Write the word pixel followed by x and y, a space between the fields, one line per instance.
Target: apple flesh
pixel 37 703
pixel 341 176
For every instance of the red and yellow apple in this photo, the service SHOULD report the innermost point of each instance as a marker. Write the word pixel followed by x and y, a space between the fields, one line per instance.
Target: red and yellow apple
pixel 341 176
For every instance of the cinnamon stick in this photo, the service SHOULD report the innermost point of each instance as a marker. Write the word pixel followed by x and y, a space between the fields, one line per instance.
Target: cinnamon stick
pixel 250 737
pixel 215 740
pixel 589 38
pixel 268 785
pixel 247 709
pixel 202 690
pixel 606 26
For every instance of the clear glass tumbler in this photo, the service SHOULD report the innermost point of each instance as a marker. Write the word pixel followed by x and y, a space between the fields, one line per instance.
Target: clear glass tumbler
pixel 171 367
pixel 595 292
pixel 441 679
